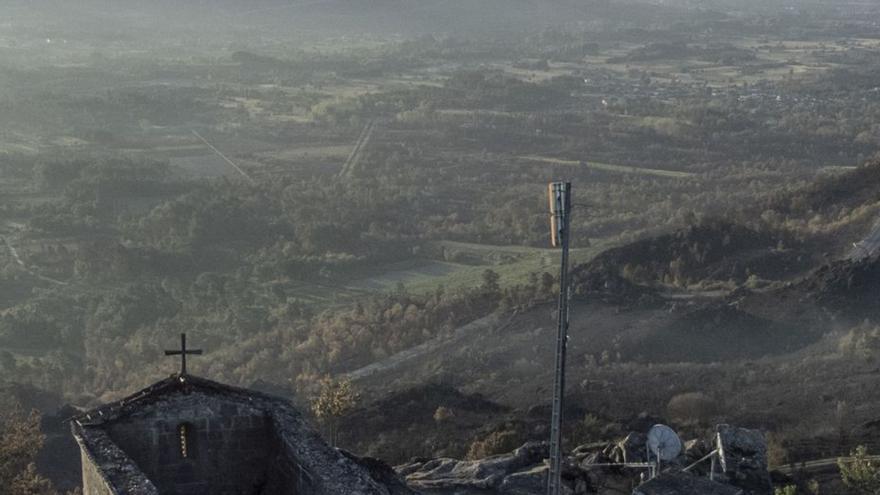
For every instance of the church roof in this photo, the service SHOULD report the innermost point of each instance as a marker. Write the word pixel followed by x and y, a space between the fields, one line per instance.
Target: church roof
pixel 174 383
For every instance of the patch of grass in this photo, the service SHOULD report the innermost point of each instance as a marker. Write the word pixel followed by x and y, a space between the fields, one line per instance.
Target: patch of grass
pixel 525 261
pixel 421 276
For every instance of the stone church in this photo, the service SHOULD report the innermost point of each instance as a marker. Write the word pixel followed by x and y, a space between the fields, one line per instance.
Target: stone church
pixel 190 436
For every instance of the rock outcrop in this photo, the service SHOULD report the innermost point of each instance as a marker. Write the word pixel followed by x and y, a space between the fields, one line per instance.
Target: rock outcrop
pixel 684 483
pixel 745 459
pixel 597 469
pixel 509 473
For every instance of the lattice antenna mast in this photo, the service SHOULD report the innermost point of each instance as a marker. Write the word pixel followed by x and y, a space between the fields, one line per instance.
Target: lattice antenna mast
pixel 560 223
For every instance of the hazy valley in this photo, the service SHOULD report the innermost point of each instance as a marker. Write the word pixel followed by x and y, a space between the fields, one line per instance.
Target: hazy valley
pixel 357 191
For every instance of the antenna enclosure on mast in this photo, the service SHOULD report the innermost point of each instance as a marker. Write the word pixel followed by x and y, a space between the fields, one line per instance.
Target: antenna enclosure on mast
pixel 559 194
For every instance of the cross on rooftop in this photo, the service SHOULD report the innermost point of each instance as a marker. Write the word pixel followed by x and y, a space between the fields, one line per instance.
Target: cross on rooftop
pixel 182 353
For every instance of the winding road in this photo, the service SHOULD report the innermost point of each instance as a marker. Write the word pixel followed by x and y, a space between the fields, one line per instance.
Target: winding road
pixel 18 261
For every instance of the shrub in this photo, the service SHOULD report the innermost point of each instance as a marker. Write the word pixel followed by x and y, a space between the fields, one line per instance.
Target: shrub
pixel 860 473
pixel 497 442
pixel 861 341
pixel 589 429
pixel 777 454
pixel 443 414
pixel 692 407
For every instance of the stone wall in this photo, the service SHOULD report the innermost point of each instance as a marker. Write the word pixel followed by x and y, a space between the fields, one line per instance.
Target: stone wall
pixel 93 482
pixel 287 476
pixel 230 445
pixel 107 470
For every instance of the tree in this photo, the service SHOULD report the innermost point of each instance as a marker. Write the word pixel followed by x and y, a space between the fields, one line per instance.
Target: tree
pixel 490 281
pixel 336 399
pixel 860 473
pixel 20 441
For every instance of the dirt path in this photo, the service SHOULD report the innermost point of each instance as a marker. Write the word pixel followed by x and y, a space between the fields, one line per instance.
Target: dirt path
pixel 13 252
pixel 20 262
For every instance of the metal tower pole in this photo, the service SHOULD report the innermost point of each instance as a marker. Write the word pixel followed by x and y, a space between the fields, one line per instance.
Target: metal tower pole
pixel 560 205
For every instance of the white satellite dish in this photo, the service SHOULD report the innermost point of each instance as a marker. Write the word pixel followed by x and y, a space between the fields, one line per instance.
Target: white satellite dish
pixel 663 443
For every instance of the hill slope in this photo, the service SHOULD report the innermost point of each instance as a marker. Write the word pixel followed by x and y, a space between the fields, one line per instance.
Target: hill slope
pixel 644 329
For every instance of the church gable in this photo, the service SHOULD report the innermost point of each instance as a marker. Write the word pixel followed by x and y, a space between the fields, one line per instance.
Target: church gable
pixel 187 436
pixel 200 443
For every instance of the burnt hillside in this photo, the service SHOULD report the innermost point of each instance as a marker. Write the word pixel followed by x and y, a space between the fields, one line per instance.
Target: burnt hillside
pixel 852 189
pixel 714 250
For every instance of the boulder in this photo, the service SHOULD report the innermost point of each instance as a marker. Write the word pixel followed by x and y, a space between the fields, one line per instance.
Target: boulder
pixel 534 481
pixel 525 482
pixel 684 484
pixel 483 474
pixel 586 470
pixel 693 451
pixel 381 473
pixel 745 460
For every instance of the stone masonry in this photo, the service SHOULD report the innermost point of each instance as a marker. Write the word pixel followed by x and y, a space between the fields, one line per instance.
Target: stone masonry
pixel 190 436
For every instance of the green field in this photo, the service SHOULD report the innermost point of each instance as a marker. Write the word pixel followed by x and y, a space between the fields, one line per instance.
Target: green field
pixel 513 263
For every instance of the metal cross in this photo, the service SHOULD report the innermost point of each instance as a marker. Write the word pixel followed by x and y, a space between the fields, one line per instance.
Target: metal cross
pixel 182 353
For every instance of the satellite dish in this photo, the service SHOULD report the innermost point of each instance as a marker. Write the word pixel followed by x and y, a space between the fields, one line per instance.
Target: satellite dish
pixel 663 443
